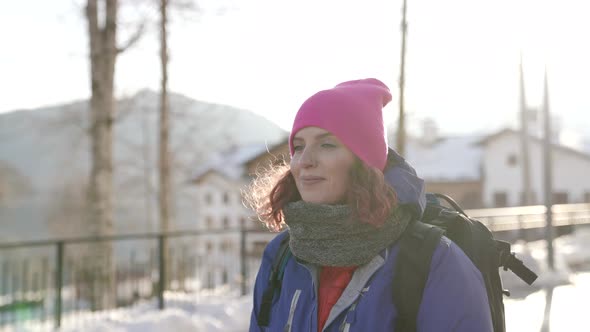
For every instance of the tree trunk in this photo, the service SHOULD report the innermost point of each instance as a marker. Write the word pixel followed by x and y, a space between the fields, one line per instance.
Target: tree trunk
pixel 164 153
pixel 103 53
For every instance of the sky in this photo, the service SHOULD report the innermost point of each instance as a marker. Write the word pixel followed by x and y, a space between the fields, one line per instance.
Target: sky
pixel 268 56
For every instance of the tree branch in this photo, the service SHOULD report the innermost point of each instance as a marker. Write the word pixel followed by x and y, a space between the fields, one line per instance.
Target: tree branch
pixel 133 39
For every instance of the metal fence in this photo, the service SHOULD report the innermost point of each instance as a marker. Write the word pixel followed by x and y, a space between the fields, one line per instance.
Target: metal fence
pixel 41 282
pixel 531 217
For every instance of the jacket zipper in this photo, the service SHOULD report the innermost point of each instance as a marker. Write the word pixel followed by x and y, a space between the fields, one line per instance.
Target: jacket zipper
pixel 345 326
pixel 292 310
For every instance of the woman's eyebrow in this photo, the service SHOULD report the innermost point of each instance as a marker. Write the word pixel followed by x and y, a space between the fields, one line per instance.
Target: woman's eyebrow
pixel 319 136
pixel 323 135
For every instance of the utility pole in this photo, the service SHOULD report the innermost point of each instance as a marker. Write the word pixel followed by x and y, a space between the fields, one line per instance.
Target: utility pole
pixel 548 176
pixel 401 127
pixel 524 133
pixel 164 154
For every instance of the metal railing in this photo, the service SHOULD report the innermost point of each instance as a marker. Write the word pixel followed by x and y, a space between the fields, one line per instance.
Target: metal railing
pixel 529 217
pixel 45 280
pixel 60 274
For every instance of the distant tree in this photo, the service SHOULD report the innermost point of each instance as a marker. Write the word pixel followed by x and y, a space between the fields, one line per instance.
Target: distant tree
pixel 165 196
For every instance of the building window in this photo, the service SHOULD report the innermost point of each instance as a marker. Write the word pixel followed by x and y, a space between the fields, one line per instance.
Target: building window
pixel 225 198
pixel 209 222
pixel 208 198
pixel 258 248
pixel 533 198
pixel 209 247
pixel 225 222
pixel 471 200
pixel 243 219
pixel 587 197
pixel 560 198
pixel 225 246
pixel 224 277
pixel 210 280
pixel 512 160
pixel 500 199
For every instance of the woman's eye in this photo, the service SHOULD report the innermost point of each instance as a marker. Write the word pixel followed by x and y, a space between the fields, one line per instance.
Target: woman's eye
pixel 297 147
pixel 328 145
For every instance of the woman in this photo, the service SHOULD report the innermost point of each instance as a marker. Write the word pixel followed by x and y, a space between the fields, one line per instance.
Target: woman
pixel 344 209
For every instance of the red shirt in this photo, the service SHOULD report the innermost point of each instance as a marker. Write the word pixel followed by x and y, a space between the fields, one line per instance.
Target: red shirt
pixel 333 281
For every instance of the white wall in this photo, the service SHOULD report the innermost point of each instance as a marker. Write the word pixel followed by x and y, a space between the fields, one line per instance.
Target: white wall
pixel 224 249
pixel 570 171
pixel 215 186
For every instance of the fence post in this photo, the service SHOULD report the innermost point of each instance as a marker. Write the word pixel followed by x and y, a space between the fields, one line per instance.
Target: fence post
pixel 4 288
pixel 521 231
pixel 58 282
pixel 162 272
pixel 243 271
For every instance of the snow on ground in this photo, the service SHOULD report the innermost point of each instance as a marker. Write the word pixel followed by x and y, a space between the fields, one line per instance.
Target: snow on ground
pixel 219 310
pixel 563 308
pixel 559 293
pixel 213 313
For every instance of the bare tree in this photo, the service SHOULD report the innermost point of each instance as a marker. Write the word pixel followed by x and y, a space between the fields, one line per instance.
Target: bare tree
pixel 102 32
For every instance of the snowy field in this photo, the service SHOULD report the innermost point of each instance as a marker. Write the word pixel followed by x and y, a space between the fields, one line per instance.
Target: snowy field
pixel 559 300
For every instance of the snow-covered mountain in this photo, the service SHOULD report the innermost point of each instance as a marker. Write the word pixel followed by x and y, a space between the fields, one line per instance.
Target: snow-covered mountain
pixel 46 150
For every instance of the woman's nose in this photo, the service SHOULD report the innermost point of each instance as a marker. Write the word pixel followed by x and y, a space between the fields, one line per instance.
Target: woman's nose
pixel 307 158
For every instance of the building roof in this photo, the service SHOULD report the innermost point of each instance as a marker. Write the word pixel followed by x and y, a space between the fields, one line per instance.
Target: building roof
pixel 447 159
pixel 556 146
pixel 229 163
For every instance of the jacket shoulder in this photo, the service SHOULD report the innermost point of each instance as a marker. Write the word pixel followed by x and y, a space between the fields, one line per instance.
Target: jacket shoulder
pixel 272 247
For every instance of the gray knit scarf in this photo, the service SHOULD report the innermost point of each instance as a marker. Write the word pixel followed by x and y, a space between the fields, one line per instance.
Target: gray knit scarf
pixel 326 235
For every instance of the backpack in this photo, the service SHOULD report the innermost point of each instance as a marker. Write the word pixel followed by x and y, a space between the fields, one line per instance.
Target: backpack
pixel 417 245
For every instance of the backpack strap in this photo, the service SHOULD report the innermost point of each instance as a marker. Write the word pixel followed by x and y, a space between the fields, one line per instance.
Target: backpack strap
pixel 417 246
pixel 274 281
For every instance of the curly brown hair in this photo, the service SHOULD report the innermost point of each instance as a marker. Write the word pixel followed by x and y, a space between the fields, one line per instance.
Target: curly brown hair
pixel 369 196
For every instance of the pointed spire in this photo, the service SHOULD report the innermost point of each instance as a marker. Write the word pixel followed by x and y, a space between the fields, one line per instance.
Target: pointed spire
pixel 522 95
pixel 524 141
pixel 546 92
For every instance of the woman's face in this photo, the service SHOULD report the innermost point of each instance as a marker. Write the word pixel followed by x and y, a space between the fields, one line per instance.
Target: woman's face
pixel 321 166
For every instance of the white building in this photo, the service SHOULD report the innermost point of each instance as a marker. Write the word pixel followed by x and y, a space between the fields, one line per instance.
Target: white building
pixel 221 214
pixel 485 171
pixel 502 171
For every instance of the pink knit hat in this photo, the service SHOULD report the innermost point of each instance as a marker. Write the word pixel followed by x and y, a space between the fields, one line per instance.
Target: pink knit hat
pixel 352 111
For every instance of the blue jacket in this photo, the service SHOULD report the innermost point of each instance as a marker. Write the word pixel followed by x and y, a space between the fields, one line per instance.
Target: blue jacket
pixel 454 298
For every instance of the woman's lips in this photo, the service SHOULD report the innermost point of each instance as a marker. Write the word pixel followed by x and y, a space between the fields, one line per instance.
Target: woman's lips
pixel 309 180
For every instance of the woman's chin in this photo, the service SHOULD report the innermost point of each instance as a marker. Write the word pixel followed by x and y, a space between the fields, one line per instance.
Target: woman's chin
pixel 320 200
